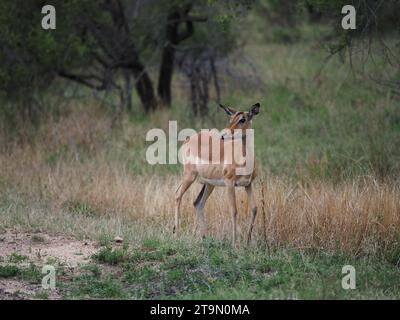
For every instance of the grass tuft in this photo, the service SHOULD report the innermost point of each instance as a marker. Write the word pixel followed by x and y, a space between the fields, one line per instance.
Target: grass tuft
pixel 111 256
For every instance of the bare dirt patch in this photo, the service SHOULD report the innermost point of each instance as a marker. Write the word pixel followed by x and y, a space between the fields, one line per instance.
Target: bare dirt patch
pixel 22 248
pixel 43 248
pixel 12 289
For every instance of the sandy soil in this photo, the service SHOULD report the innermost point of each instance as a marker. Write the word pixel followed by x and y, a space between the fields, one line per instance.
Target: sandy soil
pixel 41 249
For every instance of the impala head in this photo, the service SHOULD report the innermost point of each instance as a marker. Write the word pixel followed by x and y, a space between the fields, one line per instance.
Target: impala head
pixel 241 120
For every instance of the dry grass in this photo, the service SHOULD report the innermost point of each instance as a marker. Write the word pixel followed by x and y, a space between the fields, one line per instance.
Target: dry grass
pixel 360 216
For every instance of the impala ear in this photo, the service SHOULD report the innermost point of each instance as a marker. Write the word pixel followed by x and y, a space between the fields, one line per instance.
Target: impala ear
pixel 229 111
pixel 255 109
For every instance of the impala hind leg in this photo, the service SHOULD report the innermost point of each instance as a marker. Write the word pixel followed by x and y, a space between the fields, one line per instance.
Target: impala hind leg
pixel 199 204
pixel 253 208
pixel 186 182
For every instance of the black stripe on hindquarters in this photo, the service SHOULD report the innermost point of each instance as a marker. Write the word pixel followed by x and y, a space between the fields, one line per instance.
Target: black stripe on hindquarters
pixel 198 199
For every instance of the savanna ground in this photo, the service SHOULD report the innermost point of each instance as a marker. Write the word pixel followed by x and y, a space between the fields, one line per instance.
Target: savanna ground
pixel 328 192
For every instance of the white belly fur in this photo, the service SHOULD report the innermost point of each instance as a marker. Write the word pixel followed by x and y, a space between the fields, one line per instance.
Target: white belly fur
pixel 241 182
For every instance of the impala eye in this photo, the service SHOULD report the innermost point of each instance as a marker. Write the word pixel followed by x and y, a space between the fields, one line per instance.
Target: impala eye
pixel 243 120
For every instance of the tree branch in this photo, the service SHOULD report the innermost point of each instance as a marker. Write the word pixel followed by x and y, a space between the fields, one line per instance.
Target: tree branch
pixel 84 79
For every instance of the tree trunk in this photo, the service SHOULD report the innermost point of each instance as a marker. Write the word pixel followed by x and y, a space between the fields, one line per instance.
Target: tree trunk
pixel 144 88
pixel 203 88
pixel 128 90
pixel 167 60
pixel 193 94
pixel 174 37
pixel 165 77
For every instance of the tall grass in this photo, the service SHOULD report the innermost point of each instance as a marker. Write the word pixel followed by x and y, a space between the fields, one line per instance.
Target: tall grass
pixel 71 168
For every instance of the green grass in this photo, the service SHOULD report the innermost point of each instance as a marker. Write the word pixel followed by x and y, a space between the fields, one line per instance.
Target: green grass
pixel 9 271
pixel 213 270
pixel 90 286
pixel 80 208
pixel 30 274
pixel 16 257
pixel 111 256
pixel 43 295
pixel 38 239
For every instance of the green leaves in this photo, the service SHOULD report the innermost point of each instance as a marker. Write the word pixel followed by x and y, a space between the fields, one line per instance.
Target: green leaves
pixel 30 55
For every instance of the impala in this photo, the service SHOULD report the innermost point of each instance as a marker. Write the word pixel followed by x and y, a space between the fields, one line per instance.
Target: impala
pixel 217 160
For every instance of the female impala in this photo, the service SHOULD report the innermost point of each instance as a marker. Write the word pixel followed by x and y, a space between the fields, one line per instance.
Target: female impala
pixel 214 158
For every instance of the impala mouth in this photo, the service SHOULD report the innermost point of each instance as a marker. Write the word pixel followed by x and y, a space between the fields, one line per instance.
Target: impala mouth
pixel 230 136
pixel 225 134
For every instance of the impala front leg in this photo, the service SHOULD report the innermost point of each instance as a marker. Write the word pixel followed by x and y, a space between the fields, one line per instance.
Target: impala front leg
pixel 232 203
pixel 187 180
pixel 253 208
